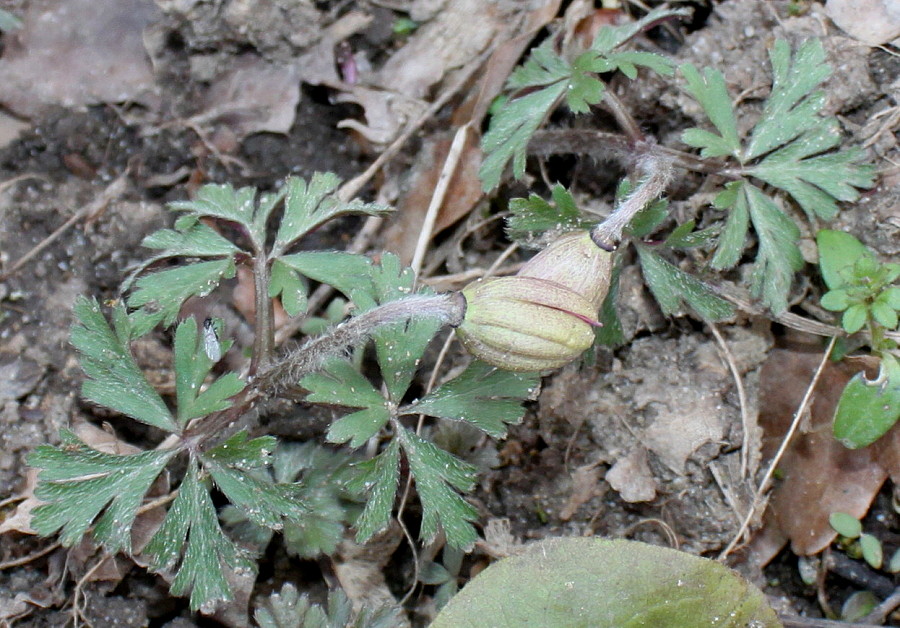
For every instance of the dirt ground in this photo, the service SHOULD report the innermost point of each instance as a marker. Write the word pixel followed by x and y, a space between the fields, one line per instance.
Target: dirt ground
pixel 103 123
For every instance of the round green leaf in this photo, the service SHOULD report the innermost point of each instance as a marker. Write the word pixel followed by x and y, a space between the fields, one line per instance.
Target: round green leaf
pixel 599 583
pixel 891 297
pixel 838 251
pixel 835 300
pixel 871 550
pixel 894 565
pixel 884 314
pixel 854 318
pixel 846 525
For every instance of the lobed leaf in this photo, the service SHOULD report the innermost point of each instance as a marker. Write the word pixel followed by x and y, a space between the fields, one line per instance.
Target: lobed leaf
pixel 378 478
pixel 79 482
pixel 341 384
pixel 484 396
pixel 672 286
pixel 284 281
pixel 709 90
pixel 192 366
pixel 219 201
pixel 511 130
pixel 347 272
pixel 114 379
pixel 533 216
pixel 439 475
pixel 778 256
pixel 264 503
pixel 159 296
pixel 308 205
pixel 191 533
pixel 792 107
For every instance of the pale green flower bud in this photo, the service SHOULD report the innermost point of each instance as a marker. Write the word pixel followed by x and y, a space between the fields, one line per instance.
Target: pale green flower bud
pixel 526 323
pixel 573 260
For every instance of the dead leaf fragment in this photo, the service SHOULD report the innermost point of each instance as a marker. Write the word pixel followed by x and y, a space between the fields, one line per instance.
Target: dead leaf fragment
pixel 682 428
pixel 819 475
pixel 78 52
pixel 585 486
pixel 632 478
pixel 253 96
pixel 873 22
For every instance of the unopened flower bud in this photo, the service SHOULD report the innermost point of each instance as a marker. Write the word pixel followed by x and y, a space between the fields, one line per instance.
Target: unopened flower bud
pixel 542 318
pixel 526 323
pixel 573 260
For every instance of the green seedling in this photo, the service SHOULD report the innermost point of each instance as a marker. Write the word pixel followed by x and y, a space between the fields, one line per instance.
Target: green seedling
pixel 856 543
pixel 864 290
pixel 269 488
pixel 288 609
pixel 791 154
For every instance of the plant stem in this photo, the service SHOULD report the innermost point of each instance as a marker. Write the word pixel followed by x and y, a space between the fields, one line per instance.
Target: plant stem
pixel 287 371
pixel 620 112
pixel 658 171
pixel 264 338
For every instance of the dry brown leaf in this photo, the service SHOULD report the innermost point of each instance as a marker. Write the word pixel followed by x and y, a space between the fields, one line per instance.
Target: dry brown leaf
pixel 252 96
pixel 682 428
pixel 632 478
pixel 873 22
pixel 78 52
pixel 820 476
pixel 585 486
pixel 463 192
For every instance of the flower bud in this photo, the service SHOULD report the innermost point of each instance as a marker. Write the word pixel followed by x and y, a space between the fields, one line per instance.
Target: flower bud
pixel 573 260
pixel 526 323
pixel 540 319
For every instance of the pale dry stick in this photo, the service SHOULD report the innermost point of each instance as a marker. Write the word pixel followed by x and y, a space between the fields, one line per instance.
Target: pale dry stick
pixel 79 587
pixel 22 177
pixel 437 198
pixel 794 321
pixel 742 397
pixel 795 423
pixel 352 187
pixel 113 190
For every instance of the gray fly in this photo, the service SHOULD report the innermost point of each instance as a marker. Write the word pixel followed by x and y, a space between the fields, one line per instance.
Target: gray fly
pixel 211 341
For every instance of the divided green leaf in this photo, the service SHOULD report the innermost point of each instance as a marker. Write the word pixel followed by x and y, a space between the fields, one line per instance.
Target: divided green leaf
pixel 341 384
pixel 672 286
pixel 533 216
pixel 789 148
pixel 158 297
pixel 114 379
pixel 79 482
pixel 548 78
pixel 484 396
pixel 192 366
pixel 308 205
pixel 378 478
pixel 191 533
pixel 231 467
pixel 439 475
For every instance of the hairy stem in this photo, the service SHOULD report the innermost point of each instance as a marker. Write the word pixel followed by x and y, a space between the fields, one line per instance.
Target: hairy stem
pixel 658 170
pixel 294 364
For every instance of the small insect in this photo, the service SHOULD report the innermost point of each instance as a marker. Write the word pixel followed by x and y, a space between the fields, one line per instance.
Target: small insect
pixel 211 341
